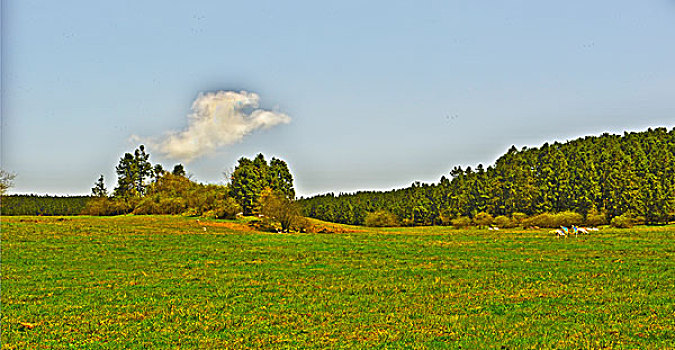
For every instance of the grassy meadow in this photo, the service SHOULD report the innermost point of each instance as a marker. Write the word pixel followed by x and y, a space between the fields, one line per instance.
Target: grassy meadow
pixel 176 282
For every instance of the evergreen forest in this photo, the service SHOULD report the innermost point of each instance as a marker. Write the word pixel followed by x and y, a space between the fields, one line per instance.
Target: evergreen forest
pixel 597 179
pixel 43 205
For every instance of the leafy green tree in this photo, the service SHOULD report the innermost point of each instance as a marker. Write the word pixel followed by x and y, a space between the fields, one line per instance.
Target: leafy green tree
pixel 250 177
pixel 280 208
pixel 246 185
pixel 281 179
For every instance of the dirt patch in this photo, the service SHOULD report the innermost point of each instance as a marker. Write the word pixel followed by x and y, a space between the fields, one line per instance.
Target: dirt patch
pixel 44 220
pixel 330 229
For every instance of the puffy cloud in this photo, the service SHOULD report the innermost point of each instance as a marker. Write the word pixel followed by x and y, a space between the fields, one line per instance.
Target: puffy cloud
pixel 218 119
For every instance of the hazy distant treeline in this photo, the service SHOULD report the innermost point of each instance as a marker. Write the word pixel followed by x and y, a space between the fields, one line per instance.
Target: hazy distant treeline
pixel 43 205
pixel 630 175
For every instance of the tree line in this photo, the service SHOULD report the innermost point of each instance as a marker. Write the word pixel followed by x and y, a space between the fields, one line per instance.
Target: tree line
pixel 629 177
pixel 255 187
pixel 32 204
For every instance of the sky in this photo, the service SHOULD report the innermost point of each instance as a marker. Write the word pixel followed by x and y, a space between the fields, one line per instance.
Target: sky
pixel 353 95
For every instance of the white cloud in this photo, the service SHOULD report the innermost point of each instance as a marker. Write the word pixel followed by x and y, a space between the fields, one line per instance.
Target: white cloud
pixel 218 119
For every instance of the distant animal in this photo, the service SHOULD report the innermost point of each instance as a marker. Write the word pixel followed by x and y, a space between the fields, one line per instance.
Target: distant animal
pixel 558 233
pixel 583 230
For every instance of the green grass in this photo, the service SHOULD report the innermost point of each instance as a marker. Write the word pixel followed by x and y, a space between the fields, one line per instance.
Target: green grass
pixel 163 282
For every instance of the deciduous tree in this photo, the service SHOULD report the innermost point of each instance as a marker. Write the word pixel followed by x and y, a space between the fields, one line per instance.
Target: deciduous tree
pixel 6 181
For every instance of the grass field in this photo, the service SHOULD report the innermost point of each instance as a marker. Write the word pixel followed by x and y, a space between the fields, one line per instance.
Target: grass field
pixel 165 282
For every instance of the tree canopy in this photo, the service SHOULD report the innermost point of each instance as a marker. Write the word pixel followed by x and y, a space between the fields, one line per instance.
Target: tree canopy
pixel 251 177
pixel 132 171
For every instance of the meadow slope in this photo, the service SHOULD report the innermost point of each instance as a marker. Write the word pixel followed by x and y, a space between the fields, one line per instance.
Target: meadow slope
pixel 167 282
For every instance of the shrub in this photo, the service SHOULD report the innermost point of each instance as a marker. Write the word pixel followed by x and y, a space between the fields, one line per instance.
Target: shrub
pixel 226 208
pixel 265 225
pixel 148 206
pixel 568 218
pixel 594 218
pixel 407 222
pixel 622 221
pixel 483 219
pixel 172 205
pixel 156 205
pixel 641 220
pixel 541 220
pixel 461 222
pixel 191 212
pixel 275 206
pixel 301 224
pixel 380 218
pixel 102 206
pixel 518 218
pixel 503 222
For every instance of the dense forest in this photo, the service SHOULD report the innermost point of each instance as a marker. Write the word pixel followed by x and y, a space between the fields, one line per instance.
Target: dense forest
pixel 630 176
pixel 43 205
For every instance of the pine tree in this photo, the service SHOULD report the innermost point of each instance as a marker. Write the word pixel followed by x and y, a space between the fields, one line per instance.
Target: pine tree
pixel 99 189
pixel 132 171
pixel 281 180
pixel 143 168
pixel 178 170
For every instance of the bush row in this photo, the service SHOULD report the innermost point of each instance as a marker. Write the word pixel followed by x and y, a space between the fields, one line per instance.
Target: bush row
pixel 382 218
pixel 170 195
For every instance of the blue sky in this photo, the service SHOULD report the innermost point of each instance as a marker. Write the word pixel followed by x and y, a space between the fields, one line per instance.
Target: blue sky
pixel 380 94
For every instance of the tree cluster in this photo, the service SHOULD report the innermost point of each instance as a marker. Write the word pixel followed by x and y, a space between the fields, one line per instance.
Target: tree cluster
pixel 144 189
pixel 599 178
pixel 251 177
